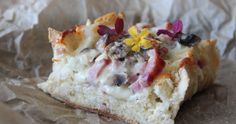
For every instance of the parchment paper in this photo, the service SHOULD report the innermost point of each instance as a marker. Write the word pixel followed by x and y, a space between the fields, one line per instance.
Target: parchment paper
pixel 25 55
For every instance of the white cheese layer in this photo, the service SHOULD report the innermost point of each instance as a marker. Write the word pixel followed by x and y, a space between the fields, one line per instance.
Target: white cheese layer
pixel 76 67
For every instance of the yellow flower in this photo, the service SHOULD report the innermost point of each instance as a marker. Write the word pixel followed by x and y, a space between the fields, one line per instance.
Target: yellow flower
pixel 138 40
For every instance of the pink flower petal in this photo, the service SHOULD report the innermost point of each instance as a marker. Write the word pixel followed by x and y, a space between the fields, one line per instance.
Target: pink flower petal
pixel 113 32
pixel 119 25
pixel 177 26
pixel 166 32
pixel 103 29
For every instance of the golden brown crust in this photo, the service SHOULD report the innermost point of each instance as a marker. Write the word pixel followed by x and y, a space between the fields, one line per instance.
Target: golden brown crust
pixel 72 40
pixel 214 55
pixel 201 76
pixel 186 61
pixel 53 35
pixel 164 75
pixel 212 59
pixel 109 18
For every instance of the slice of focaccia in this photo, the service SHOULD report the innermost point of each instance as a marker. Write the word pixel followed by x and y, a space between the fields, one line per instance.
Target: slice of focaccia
pixel 141 75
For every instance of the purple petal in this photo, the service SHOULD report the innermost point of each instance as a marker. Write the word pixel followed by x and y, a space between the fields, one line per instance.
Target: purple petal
pixel 103 29
pixel 177 26
pixel 119 25
pixel 112 32
pixel 166 32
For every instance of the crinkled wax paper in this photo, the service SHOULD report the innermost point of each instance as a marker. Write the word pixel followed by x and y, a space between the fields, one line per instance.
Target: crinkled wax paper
pixel 25 55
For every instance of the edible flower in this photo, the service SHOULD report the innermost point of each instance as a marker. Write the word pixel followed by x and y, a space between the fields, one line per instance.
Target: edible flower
pixel 119 26
pixel 174 31
pixel 138 40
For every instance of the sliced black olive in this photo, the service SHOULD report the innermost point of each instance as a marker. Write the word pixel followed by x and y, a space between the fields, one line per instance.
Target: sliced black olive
pixel 119 79
pixel 121 59
pixel 189 39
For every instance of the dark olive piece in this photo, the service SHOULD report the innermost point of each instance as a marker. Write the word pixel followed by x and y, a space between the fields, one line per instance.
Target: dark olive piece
pixel 121 59
pixel 189 39
pixel 119 79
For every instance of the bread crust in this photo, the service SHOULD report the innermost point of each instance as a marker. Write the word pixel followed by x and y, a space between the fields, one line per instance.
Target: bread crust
pixel 209 54
pixel 100 112
pixel 109 18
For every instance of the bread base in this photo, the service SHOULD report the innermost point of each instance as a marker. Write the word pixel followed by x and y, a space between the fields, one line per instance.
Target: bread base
pixel 101 112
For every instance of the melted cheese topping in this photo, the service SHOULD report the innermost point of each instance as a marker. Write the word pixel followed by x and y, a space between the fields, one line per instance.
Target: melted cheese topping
pixel 79 64
pixel 75 66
